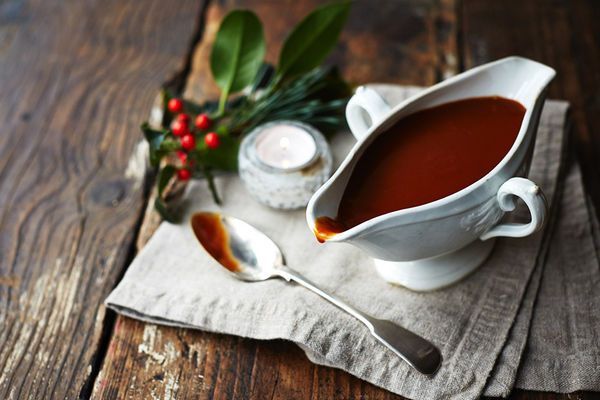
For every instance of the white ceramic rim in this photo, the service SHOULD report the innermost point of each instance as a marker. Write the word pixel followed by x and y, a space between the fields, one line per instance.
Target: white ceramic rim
pixel 454 196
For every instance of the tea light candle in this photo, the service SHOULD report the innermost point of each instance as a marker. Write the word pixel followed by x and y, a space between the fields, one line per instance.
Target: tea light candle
pixel 282 163
pixel 286 147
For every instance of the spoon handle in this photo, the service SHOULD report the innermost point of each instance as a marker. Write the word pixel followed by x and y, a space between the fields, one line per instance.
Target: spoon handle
pixel 412 348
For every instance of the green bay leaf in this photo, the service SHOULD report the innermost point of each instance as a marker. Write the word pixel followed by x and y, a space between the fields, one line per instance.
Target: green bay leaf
pixel 312 39
pixel 238 51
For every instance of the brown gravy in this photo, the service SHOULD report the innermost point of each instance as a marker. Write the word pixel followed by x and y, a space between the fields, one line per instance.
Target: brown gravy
pixel 426 156
pixel 211 234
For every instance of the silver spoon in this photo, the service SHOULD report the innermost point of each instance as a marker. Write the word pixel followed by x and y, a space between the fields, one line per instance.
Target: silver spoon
pixel 250 255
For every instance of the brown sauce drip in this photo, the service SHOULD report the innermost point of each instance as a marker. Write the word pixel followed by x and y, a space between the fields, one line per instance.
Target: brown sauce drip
pixel 326 227
pixel 426 156
pixel 211 234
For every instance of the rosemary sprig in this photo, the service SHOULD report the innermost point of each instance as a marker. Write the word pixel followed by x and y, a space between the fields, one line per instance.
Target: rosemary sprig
pixel 317 98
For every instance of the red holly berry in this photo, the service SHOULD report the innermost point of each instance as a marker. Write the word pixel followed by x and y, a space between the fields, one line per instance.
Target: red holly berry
pixel 183 118
pixel 175 105
pixel 183 157
pixel 203 121
pixel 184 174
pixel 188 142
pixel 212 140
pixel 179 128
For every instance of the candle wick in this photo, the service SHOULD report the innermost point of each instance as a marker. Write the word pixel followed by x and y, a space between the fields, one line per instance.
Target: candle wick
pixel 284 142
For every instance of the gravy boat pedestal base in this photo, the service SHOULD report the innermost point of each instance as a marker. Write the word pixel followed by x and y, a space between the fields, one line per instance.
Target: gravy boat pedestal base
pixel 436 272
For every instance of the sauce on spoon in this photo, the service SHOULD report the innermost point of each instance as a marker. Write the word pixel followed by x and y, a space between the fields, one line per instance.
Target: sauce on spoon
pixel 211 233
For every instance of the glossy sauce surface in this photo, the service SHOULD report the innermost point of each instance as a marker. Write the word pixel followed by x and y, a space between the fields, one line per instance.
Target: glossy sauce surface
pixel 426 156
pixel 211 234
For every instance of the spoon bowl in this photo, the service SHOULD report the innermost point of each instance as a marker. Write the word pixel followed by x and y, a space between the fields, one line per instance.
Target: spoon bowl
pixel 257 254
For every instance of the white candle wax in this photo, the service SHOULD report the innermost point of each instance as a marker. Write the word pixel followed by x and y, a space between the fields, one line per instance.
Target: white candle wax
pixel 285 147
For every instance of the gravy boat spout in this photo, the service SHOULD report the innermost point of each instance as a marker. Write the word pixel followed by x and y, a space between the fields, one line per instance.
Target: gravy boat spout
pixel 438 243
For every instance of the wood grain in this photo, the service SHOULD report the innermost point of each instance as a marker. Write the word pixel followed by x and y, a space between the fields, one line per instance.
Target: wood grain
pixel 562 34
pixel 76 79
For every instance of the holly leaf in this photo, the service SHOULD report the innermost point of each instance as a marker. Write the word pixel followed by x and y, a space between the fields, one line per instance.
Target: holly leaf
pixel 166 114
pixel 164 177
pixel 225 156
pixel 312 39
pixel 169 145
pixel 164 210
pixel 155 139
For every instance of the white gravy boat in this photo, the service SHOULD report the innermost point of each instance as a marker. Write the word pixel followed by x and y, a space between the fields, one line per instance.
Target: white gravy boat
pixel 436 244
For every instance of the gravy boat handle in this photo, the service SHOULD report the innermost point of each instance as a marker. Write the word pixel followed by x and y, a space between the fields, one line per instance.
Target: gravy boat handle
pixel 365 102
pixel 533 197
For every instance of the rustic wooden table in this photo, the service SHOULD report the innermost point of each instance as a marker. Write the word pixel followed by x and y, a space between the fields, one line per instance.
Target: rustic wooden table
pixel 76 80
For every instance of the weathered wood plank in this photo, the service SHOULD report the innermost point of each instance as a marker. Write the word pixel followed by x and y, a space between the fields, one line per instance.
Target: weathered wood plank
pixel 398 41
pixel 562 34
pixel 76 79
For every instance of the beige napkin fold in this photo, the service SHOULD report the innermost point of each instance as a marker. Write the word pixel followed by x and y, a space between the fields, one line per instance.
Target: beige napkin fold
pixel 173 281
pixel 502 379
pixel 563 348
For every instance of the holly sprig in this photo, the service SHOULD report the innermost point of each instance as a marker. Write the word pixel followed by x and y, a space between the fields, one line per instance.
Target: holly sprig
pixel 198 140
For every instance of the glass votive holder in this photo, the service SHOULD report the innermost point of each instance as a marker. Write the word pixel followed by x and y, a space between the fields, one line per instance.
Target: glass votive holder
pixel 283 163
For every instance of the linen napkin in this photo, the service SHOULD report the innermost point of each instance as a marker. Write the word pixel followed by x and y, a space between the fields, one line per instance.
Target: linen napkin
pixel 173 281
pixel 563 348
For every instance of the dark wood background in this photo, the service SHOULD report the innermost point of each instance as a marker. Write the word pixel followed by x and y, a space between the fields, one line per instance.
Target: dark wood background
pixel 76 79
